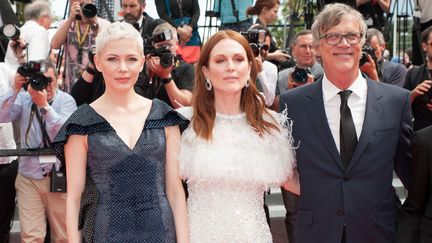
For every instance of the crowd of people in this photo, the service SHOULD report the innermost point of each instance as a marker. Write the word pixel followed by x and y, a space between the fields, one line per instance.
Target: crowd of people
pixel 155 135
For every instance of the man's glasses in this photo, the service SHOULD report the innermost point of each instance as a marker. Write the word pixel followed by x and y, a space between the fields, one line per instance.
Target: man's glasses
pixel 335 38
pixel 305 47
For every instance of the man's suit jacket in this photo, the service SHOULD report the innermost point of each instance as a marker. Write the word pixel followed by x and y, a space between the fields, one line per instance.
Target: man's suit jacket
pixel 415 221
pixel 362 196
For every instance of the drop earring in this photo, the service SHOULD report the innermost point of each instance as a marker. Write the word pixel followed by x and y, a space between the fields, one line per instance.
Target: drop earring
pixel 247 83
pixel 208 85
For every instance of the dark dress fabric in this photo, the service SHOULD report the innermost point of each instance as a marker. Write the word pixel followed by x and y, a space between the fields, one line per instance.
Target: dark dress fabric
pixel 124 197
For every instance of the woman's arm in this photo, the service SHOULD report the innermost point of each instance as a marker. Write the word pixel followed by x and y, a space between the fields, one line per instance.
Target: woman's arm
pixel 76 159
pixel 174 187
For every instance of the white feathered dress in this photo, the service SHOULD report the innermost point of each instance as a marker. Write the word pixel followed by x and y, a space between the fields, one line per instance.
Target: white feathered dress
pixel 228 176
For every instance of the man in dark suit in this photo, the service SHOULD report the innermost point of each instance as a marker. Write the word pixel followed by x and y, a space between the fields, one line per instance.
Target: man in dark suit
pixel 415 221
pixel 352 132
pixel 133 13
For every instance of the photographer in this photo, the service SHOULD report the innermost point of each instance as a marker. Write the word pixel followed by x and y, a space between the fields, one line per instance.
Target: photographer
pixel 259 38
pixel 166 76
pixel 34 32
pixel 375 66
pixel 419 82
pixel 77 33
pixel 40 111
pixel 304 53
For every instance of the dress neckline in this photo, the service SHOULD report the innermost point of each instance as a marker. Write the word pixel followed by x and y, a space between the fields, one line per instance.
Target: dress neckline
pixel 231 117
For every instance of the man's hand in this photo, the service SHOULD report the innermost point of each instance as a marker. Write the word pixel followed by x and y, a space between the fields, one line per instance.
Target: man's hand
pixel 39 97
pixel 75 10
pixel 19 81
pixel 155 69
pixel 421 89
pixel 259 61
pixel 185 33
pixel 279 56
pixel 369 68
pixel 18 46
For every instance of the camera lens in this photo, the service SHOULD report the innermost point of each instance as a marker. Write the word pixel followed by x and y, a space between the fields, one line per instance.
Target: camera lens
pixel 166 60
pixel 38 81
pixel 255 49
pixel 300 75
pixel 89 10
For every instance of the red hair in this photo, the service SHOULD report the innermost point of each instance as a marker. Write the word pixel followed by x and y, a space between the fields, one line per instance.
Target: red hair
pixel 251 101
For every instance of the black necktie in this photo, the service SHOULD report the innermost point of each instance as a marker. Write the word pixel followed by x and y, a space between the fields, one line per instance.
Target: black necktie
pixel 136 25
pixel 347 134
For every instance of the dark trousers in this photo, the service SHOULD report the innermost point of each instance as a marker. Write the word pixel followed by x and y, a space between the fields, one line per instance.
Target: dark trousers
pixel 8 174
pixel 291 206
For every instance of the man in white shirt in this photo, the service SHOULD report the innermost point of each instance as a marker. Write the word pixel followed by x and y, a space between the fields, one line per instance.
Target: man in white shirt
pixel 8 165
pixel 35 33
pixel 352 132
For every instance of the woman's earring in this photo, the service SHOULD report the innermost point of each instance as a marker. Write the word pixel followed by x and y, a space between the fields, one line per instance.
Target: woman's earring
pixel 247 83
pixel 208 85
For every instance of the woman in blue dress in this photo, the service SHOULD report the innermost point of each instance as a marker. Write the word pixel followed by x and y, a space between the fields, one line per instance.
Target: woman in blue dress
pixel 120 152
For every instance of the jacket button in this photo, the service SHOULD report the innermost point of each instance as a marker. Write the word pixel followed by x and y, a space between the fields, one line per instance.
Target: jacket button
pixel 340 211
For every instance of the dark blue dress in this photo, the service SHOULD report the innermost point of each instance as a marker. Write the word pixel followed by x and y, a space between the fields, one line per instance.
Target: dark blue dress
pixel 124 197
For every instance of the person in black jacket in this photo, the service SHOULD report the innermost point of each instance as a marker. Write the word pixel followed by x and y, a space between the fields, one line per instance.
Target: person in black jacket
pixel 415 220
pixel 419 81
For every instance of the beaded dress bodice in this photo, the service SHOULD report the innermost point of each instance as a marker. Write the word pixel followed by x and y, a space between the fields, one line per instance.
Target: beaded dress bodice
pixel 227 177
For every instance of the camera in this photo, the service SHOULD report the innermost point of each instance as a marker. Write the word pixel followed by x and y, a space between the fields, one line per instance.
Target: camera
pixel 300 75
pixel 256 38
pixel 88 9
pixel 34 70
pixel 367 50
pixel 165 56
pixel 58 180
pixel 164 53
pixel 10 31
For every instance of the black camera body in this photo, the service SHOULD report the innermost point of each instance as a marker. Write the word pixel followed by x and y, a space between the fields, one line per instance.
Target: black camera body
pixel 367 50
pixel 165 56
pixel 300 75
pixel 164 53
pixel 256 38
pixel 88 9
pixel 34 72
pixel 58 180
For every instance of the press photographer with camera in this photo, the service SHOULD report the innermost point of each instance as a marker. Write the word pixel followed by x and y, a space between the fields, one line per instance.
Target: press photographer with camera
pixel 259 39
pixel 34 32
pixel 77 33
pixel 375 66
pixel 419 82
pixel 165 75
pixel 306 69
pixel 40 111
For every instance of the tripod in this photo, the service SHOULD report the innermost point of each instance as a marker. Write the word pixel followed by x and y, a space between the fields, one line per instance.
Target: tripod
pixel 403 10
pixel 301 8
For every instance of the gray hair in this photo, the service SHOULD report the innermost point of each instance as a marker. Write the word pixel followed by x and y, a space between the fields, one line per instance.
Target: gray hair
pixel 118 31
pixel 300 33
pixel 37 9
pixel 371 32
pixel 331 16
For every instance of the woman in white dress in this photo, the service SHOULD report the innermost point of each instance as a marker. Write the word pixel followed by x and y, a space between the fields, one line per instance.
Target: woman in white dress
pixel 235 148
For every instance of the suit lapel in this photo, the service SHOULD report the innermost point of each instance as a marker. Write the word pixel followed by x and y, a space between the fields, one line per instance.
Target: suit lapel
pixel 316 112
pixel 373 112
